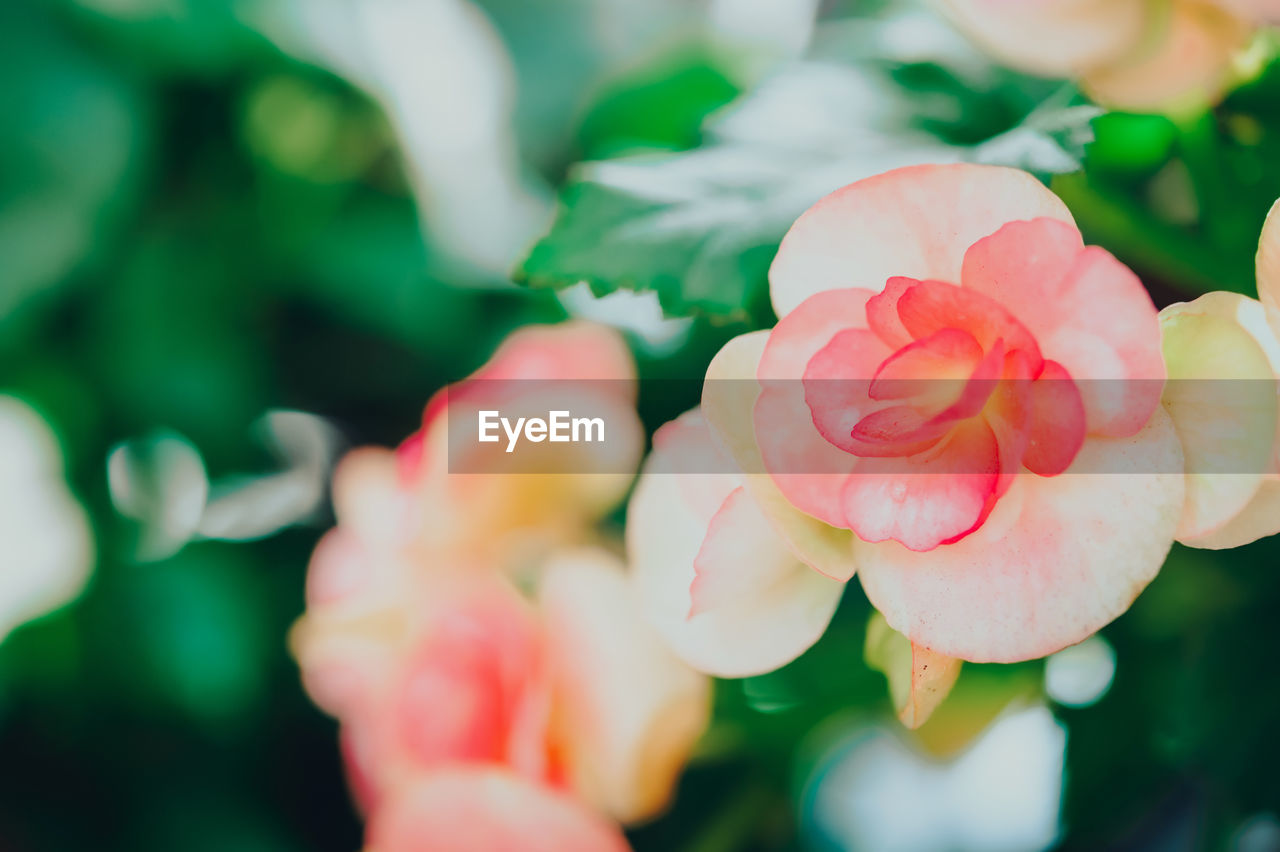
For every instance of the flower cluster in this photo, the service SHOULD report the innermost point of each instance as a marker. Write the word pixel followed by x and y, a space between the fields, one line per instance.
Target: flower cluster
pixel 494 681
pixel 969 408
pixel 985 420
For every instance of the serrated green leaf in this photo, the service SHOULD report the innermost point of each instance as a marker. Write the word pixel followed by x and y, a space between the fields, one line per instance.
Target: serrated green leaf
pixel 700 255
pixel 700 228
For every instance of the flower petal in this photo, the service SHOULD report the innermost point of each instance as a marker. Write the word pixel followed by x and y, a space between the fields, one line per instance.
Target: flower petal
pixel 1055 421
pixel 468 686
pixel 740 555
pixel 1022 263
pixel 898 430
pixel 729 397
pixel 882 313
pixel 1056 560
pixel 800 334
pixel 926 499
pixel 947 354
pixel 577 350
pixel 344 642
pixel 574 351
pixel 558 487
pixel 837 396
pixel 765 626
pixel 931 307
pixel 629 710
pixel 1182 63
pixel 1222 398
pixel 904 430
pixel 480 809
pixel 915 222
pixel 1269 267
pixel 1261 11
pixel 451 670
pixel 805 466
pixel 367 497
pixel 1257 520
pixel 1056 38
pixel 1087 311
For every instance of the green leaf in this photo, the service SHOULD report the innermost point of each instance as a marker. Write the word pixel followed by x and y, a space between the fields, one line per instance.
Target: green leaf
pixel 660 107
pixel 704 254
pixel 700 228
pixel 1050 141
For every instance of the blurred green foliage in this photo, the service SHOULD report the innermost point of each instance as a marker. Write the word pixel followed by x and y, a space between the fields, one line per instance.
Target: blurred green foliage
pixel 194 229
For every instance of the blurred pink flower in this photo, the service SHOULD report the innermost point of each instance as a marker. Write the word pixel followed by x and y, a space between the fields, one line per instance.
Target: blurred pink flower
pixel 1166 55
pixel 576 366
pixel 431 666
pixel 951 369
pixel 1224 351
pixel 477 809
pixel 465 680
pixel 477 661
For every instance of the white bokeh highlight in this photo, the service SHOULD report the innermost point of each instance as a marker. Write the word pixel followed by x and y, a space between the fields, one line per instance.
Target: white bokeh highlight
pixel 48 544
pixel 876 793
pixel 1080 675
pixel 446 82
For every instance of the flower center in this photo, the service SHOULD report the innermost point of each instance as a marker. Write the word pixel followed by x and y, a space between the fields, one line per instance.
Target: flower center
pixel 938 358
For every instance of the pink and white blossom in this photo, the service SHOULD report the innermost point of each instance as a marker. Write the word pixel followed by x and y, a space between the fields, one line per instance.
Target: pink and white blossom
pixel 479 658
pixel 961 401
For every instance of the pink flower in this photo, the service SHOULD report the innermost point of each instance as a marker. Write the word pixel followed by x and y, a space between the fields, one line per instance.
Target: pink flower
pixel 546 709
pixel 575 366
pixel 391 641
pixel 1223 352
pixel 1166 55
pixel 432 665
pixel 960 383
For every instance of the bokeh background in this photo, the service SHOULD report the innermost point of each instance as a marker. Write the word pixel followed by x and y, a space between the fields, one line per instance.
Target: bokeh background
pixel 236 238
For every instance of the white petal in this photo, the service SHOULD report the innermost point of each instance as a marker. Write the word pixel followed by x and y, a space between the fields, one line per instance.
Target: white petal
pixel 631 711
pixel 780 613
pixel 728 403
pixel 916 221
pixel 1058 559
pixel 1222 399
